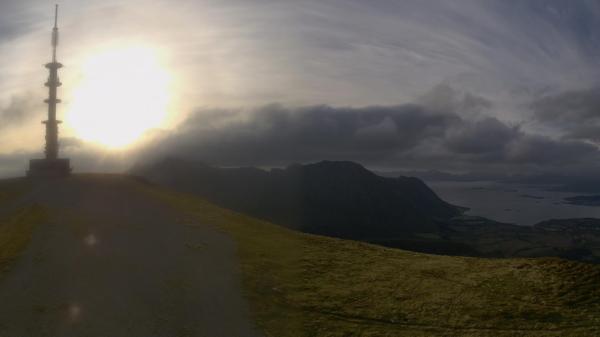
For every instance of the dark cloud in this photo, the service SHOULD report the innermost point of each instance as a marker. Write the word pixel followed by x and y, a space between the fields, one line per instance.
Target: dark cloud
pixel 411 136
pixel 400 136
pixel 589 132
pixel 488 137
pixel 569 107
pixel 276 134
pixel 492 140
pixel 576 114
pixel 540 150
pixel 16 19
pixel 19 110
pixel 13 164
pixel 444 97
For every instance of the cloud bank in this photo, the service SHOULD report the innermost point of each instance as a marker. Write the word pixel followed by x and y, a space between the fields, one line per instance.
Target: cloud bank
pixel 412 136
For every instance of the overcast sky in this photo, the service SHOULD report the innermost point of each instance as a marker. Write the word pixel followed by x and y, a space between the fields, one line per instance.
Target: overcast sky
pixel 463 85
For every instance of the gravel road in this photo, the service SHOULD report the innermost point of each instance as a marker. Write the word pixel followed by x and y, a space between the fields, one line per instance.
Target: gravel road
pixel 113 261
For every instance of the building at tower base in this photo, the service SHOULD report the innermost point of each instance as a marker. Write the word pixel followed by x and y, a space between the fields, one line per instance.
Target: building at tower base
pixel 48 168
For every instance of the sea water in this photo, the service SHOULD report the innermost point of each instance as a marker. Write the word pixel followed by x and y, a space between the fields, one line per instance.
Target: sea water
pixel 512 203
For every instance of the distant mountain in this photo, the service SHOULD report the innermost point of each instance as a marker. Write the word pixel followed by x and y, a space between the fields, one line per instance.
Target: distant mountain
pixel 345 200
pixel 581 182
pixel 435 175
pixel 340 199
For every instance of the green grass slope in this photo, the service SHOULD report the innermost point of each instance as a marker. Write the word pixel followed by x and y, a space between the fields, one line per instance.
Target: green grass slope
pixel 306 285
pixel 11 189
pixel 15 233
pixel 17 226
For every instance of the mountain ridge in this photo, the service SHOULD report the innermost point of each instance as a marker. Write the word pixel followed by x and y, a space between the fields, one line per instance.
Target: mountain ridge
pixel 341 199
pixel 345 200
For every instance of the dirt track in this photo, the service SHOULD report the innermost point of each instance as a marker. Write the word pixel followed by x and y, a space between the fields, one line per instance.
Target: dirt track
pixel 113 261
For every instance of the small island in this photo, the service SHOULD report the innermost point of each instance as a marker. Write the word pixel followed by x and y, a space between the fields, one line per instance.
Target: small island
pixel 584 200
pixel 529 196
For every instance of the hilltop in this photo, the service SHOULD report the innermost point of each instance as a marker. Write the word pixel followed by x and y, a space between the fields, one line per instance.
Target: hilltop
pixel 136 276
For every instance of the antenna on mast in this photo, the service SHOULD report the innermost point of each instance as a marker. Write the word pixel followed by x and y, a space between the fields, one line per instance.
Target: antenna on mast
pixel 55 34
pixel 56 17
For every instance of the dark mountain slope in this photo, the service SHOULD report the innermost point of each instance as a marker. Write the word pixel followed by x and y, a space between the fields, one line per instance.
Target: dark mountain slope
pixel 341 199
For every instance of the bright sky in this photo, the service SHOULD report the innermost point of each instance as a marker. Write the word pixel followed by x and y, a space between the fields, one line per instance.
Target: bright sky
pixel 123 91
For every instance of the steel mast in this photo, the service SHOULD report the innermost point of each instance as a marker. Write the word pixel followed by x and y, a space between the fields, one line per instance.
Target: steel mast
pixel 51 165
pixel 53 83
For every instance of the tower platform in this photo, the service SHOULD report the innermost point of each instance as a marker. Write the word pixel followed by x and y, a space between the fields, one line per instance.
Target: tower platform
pixel 49 168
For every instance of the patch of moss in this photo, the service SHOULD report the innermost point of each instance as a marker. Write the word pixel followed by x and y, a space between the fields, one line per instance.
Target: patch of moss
pixel 16 231
pixel 11 189
pixel 302 285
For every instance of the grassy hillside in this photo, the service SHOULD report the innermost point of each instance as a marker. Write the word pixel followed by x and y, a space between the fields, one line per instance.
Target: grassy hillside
pixel 305 285
pixel 11 189
pixel 15 233
pixel 16 226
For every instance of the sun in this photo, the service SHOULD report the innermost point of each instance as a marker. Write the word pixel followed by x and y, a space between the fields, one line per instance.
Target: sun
pixel 121 94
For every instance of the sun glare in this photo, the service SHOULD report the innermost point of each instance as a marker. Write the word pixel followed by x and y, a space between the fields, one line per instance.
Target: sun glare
pixel 121 94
